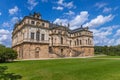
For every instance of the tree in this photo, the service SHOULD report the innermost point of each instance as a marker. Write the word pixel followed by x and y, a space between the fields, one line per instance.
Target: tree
pixel 8 76
pixel 111 50
pixel 7 54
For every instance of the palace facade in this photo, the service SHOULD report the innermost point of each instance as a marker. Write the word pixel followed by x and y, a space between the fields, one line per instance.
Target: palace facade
pixel 34 37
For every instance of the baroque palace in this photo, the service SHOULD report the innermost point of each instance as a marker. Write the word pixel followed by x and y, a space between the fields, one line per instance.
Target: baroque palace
pixel 34 37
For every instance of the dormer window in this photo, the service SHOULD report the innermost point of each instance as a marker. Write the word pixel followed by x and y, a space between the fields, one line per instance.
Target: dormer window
pixel 32 22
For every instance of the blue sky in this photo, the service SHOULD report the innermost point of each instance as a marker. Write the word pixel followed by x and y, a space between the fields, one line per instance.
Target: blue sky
pixel 101 16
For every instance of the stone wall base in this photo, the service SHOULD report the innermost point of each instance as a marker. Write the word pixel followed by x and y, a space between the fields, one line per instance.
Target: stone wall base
pixel 32 51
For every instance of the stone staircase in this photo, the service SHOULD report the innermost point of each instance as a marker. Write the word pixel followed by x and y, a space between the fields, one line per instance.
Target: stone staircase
pixel 75 53
pixel 70 53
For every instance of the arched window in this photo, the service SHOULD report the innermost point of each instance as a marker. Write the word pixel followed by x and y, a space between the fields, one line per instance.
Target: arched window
pixel 61 40
pixel 37 35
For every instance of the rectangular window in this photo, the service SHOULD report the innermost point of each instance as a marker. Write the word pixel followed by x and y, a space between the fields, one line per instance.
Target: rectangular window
pixel 75 43
pixel 61 50
pixel 42 37
pixel 80 42
pixel 32 35
pixel 32 22
pixel 43 24
pixel 37 36
pixel 70 42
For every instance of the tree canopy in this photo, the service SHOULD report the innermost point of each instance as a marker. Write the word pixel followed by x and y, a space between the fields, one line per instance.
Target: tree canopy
pixel 7 54
pixel 108 50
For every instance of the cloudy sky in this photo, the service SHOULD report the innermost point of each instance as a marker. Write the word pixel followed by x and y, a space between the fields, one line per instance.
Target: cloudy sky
pixel 101 16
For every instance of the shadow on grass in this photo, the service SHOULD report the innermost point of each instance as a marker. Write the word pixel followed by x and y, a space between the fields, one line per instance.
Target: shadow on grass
pixel 8 76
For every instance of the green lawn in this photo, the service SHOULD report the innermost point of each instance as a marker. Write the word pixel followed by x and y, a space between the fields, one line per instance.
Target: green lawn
pixel 107 57
pixel 66 69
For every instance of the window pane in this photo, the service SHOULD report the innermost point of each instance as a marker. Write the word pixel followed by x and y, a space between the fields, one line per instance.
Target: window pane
pixel 43 37
pixel 43 24
pixel 38 36
pixel 32 35
pixel 32 22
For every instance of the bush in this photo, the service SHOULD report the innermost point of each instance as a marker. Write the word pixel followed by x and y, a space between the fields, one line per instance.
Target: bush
pixel 7 54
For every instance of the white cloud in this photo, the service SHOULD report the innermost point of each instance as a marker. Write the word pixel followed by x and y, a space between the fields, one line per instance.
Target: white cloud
pixel 99 20
pixel 32 4
pixel 101 36
pixel 117 42
pixel 79 19
pixel 3 31
pixel 76 21
pixel 0 13
pixel 5 37
pixel 14 19
pixel 100 4
pixel 13 10
pixel 62 4
pixel 107 10
pixel 69 13
pixel 6 24
pixel 61 21
pixel 58 8
pixel 117 33
pixel 10 23
pixel 105 35
pixel 69 5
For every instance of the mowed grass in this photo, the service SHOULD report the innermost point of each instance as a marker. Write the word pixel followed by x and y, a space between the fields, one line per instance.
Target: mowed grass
pixel 106 57
pixel 66 69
